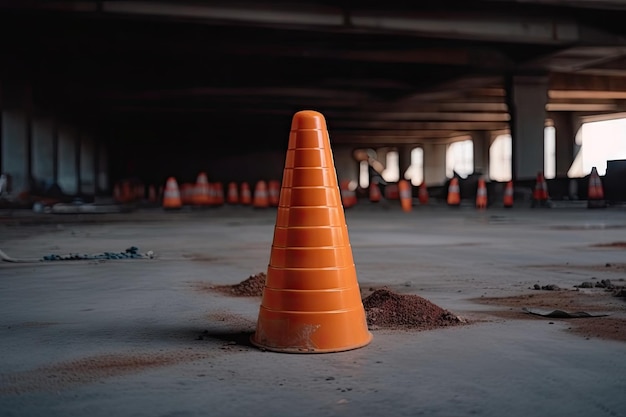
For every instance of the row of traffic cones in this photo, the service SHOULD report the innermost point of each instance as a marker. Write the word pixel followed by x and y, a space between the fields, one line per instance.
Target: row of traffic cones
pixel 541 197
pixel 203 193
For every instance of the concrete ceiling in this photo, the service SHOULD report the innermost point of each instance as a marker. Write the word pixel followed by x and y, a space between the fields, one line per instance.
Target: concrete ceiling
pixel 383 73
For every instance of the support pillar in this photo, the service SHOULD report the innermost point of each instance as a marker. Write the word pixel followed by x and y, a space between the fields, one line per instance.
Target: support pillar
pixel 434 164
pixel 67 156
pixel 404 159
pixel 565 138
pixel 527 98
pixel 42 152
pixel 481 141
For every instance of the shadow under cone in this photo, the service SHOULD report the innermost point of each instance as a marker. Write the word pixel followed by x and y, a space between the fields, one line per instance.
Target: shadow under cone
pixel 311 299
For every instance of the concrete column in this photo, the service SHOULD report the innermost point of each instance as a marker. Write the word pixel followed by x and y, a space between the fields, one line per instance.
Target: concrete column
pixel 346 166
pixel 527 101
pixel 482 142
pixel 42 152
pixel 87 166
pixel 565 138
pixel 434 164
pixel 67 154
pixel 102 168
pixel 15 147
pixel 404 159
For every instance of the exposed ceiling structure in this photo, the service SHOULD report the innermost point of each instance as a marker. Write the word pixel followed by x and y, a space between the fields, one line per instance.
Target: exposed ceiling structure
pixel 383 73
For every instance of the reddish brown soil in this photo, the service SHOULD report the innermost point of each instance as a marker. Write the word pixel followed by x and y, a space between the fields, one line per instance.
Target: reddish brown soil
pixel 251 287
pixel 612 327
pixel 386 309
pixel 610 245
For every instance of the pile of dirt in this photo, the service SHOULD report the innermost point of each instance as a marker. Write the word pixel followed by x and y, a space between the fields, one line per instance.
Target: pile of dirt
pixel 251 287
pixel 386 309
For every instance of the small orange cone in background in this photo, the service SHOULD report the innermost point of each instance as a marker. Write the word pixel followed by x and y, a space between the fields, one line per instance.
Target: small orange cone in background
pixel 454 193
pixel 422 193
pixel 274 192
pixel 218 197
pixel 481 195
pixel 375 194
pixel 171 195
pixel 595 193
pixel 201 193
pixel 406 195
pixel 392 192
pixel 233 193
pixel 186 191
pixel 348 196
pixel 540 193
pixel 508 195
pixel 311 299
pixel 261 197
pixel 246 194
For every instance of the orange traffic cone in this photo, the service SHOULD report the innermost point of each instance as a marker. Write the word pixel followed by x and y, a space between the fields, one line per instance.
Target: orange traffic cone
pixel 454 193
pixel 246 194
pixel 171 195
pixel 375 194
pixel 595 193
pixel 422 193
pixel 218 197
pixel 392 192
pixel 201 192
pixel 261 198
pixel 274 192
pixel 311 299
pixel 117 193
pixel 481 195
pixel 508 195
pixel 233 193
pixel 540 193
pixel 406 195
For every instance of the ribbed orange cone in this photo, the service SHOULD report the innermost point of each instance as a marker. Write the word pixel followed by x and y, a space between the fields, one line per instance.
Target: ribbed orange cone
pixel 246 195
pixel 508 195
pixel 375 194
pixel 261 198
pixel 171 195
pixel 422 193
pixel 274 192
pixel 127 191
pixel 233 193
pixel 406 195
pixel 187 191
pixel 201 193
pixel 540 193
pixel 454 193
pixel 481 195
pixel 311 299
pixel 392 192
pixel 595 193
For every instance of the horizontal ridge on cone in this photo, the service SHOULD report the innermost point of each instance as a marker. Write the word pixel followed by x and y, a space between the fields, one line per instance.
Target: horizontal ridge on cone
pixel 309 216
pixel 329 300
pixel 309 196
pixel 315 236
pixel 307 157
pixel 309 177
pixel 310 278
pixel 340 256
pixel 306 139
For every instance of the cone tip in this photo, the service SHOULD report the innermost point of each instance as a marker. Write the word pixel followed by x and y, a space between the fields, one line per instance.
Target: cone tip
pixel 308 119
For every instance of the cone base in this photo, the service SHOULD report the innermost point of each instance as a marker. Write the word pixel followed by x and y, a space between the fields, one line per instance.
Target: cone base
pixel 317 332
pixel 308 350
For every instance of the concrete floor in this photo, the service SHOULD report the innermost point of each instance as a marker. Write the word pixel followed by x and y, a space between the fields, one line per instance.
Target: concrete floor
pixel 139 337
